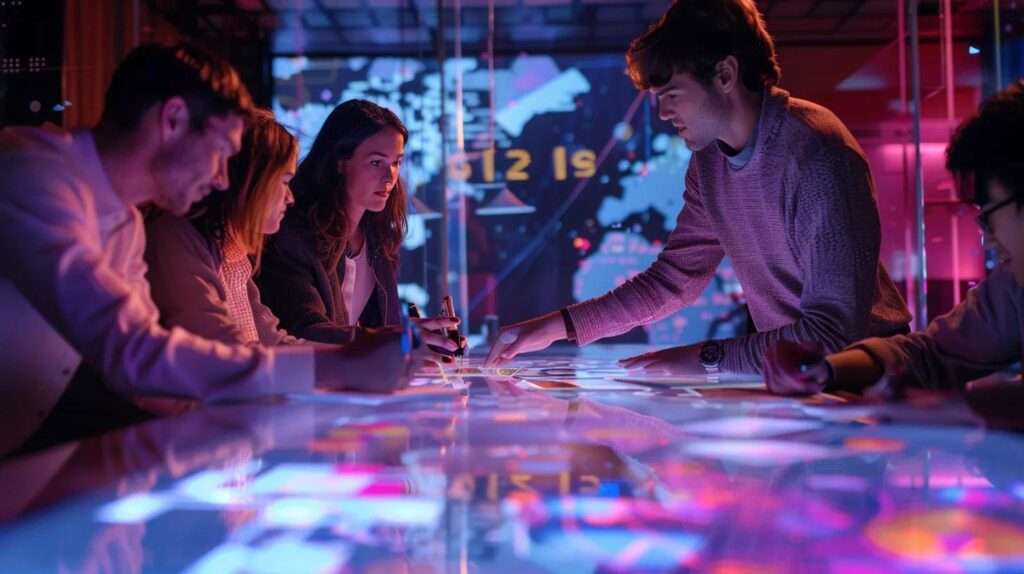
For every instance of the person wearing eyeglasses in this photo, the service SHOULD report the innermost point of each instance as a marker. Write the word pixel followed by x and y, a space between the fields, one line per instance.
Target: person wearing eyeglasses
pixel 982 334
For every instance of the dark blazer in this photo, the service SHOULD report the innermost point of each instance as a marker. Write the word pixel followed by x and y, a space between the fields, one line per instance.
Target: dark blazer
pixel 305 294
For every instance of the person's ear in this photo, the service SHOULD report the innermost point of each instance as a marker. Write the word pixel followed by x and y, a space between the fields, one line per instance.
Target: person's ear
pixel 727 75
pixel 173 119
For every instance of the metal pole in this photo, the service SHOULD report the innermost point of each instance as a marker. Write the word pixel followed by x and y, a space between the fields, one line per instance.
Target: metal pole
pixel 461 268
pixel 901 16
pixel 947 50
pixel 490 72
pixel 908 227
pixel 460 134
pixel 920 291
pixel 997 41
pixel 442 278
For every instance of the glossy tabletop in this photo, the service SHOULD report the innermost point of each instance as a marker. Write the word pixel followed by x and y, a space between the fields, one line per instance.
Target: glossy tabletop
pixel 563 463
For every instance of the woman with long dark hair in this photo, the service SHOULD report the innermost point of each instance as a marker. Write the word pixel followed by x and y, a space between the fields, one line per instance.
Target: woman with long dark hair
pixel 333 267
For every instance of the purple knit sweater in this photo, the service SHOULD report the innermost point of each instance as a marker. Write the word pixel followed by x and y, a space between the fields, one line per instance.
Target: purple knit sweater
pixel 981 335
pixel 799 222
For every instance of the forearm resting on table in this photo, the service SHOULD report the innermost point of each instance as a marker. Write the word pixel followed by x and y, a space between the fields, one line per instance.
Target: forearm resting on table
pixel 853 370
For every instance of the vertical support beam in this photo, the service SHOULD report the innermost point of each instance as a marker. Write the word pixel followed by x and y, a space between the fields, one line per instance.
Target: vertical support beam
pixel 950 86
pixel 920 291
pixel 947 51
pixel 492 135
pixel 901 45
pixel 908 203
pixel 441 281
pixel 997 41
pixel 459 275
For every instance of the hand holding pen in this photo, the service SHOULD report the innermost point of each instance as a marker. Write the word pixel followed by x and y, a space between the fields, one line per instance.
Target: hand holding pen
pixel 440 334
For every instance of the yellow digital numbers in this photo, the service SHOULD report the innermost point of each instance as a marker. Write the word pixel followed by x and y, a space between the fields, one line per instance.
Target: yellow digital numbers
pixel 516 163
pixel 521 159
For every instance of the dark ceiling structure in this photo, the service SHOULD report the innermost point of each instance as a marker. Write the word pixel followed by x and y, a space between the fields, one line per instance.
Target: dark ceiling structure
pixel 411 27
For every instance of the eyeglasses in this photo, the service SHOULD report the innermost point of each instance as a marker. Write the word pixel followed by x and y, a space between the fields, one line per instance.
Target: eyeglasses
pixel 984 214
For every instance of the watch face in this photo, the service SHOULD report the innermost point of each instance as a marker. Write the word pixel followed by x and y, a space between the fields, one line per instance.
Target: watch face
pixel 711 354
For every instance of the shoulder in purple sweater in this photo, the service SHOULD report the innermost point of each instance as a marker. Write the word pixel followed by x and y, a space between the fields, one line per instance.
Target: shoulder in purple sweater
pixel 800 224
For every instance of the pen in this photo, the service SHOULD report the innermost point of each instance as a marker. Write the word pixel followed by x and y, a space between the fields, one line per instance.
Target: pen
pixel 414 313
pixel 448 310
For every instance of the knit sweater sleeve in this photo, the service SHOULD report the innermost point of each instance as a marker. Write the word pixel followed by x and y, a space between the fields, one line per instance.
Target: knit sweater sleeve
pixel 834 232
pixel 979 336
pixel 679 275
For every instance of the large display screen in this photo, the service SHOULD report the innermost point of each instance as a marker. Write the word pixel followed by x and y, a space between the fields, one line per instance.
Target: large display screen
pixel 561 183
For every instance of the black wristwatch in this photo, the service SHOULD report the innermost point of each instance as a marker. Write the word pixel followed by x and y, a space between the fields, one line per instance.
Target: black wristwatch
pixel 711 354
pixel 570 328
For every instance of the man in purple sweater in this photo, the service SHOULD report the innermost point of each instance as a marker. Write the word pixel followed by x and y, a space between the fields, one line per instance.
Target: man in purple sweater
pixel 775 183
pixel 983 333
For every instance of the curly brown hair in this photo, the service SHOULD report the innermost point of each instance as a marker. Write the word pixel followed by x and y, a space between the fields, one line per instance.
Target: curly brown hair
pixel 695 35
pixel 988 146
pixel 320 191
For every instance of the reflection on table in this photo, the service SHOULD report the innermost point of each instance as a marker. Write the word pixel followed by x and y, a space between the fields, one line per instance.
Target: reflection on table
pixel 557 464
